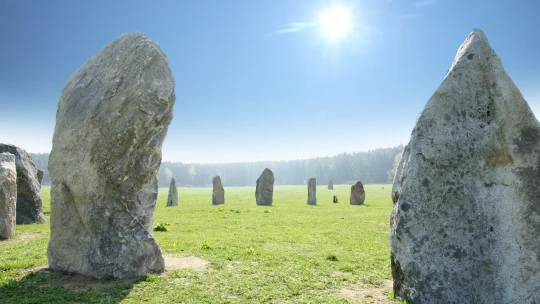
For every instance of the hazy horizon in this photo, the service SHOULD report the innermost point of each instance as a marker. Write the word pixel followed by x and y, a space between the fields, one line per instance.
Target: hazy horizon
pixel 264 81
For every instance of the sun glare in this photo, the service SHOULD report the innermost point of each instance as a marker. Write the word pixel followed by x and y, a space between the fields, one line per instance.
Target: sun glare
pixel 335 23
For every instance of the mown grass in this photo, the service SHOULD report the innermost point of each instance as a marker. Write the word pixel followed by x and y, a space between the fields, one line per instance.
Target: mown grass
pixel 286 253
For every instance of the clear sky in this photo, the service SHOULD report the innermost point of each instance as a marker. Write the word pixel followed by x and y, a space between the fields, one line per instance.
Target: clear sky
pixel 263 80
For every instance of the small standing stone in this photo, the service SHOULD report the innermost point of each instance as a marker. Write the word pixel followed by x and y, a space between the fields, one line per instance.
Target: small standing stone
pixel 330 185
pixel 8 195
pixel 312 191
pixel 357 194
pixel 265 188
pixel 172 198
pixel 29 204
pixel 40 176
pixel 218 194
pixel 335 199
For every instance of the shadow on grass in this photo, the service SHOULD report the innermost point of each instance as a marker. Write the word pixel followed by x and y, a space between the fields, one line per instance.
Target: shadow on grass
pixel 48 286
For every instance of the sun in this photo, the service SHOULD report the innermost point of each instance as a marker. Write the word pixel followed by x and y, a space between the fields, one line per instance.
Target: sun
pixel 335 23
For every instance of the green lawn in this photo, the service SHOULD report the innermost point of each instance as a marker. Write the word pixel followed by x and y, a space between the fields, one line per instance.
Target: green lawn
pixel 286 253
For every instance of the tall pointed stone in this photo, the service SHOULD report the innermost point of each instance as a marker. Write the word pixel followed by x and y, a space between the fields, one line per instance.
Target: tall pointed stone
pixel 40 174
pixel 466 220
pixel 113 115
pixel 218 193
pixel 264 191
pixel 29 204
pixel 8 195
pixel 172 198
pixel 312 191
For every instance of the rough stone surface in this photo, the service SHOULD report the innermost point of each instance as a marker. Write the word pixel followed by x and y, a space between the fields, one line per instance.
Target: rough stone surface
pixel 172 198
pixel 330 185
pixel 218 194
pixel 312 191
pixel 29 204
pixel 40 176
pixel 8 195
pixel 264 193
pixel 358 196
pixel 466 220
pixel 113 115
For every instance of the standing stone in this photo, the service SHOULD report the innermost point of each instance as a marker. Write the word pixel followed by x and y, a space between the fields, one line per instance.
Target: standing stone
pixel 112 117
pixel 312 191
pixel 466 220
pixel 8 195
pixel 330 185
pixel 358 196
pixel 218 194
pixel 29 204
pixel 40 176
pixel 172 198
pixel 265 188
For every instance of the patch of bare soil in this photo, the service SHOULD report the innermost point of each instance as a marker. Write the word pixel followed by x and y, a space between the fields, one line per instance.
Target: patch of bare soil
pixel 173 262
pixel 77 282
pixel 365 293
pixel 21 238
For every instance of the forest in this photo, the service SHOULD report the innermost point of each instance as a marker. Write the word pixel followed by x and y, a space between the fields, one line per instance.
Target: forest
pixel 374 166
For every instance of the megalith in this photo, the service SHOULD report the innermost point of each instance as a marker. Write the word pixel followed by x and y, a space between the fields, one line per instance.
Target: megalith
pixel 357 194
pixel 466 219
pixel 218 194
pixel 40 174
pixel 29 204
pixel 113 115
pixel 172 198
pixel 330 185
pixel 312 191
pixel 8 195
pixel 264 191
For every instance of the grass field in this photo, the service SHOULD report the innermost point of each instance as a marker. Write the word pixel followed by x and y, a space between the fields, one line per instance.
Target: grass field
pixel 233 253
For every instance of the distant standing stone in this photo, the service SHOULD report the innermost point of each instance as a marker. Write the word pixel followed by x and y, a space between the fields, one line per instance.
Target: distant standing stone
pixel 8 195
pixel 218 194
pixel 335 199
pixel 265 188
pixel 40 176
pixel 172 198
pixel 357 194
pixel 330 185
pixel 29 204
pixel 113 115
pixel 312 191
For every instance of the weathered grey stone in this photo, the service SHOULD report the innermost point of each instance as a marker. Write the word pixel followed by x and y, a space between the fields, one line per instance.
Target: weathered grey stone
pixel 113 115
pixel 218 194
pixel 466 220
pixel 40 176
pixel 264 192
pixel 357 194
pixel 330 185
pixel 8 195
pixel 172 198
pixel 29 204
pixel 312 191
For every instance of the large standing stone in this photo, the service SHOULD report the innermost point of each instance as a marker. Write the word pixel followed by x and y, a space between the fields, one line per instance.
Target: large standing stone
pixel 40 176
pixel 218 194
pixel 29 204
pixel 358 195
pixel 330 185
pixel 265 188
pixel 113 115
pixel 312 191
pixel 8 195
pixel 466 220
pixel 172 198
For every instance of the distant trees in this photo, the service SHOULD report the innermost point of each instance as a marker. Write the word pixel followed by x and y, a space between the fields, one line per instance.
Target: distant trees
pixel 375 166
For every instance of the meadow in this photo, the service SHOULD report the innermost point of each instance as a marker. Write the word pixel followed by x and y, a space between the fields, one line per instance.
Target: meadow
pixel 233 253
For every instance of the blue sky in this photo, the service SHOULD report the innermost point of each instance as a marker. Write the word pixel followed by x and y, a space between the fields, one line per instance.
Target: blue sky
pixel 248 87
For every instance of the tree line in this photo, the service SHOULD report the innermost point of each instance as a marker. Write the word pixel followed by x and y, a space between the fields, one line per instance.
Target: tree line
pixel 374 166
